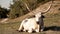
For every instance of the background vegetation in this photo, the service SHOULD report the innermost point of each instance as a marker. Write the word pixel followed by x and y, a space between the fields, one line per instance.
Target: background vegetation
pixel 3 12
pixel 18 8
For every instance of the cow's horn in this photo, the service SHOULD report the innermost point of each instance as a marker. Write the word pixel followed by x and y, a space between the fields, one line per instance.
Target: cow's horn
pixel 47 9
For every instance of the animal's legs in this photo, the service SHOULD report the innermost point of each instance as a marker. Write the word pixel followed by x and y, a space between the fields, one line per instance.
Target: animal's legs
pixel 30 30
pixel 37 30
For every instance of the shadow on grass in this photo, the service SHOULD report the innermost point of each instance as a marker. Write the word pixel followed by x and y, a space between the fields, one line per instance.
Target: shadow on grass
pixel 53 28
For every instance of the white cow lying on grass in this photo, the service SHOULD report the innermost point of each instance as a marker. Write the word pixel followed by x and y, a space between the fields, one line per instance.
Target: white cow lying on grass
pixel 30 24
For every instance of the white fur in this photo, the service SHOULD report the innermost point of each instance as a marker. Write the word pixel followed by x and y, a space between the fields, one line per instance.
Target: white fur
pixel 30 24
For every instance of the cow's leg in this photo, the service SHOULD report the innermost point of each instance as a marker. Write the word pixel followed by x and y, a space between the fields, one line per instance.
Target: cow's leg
pixel 24 30
pixel 30 30
pixel 42 28
pixel 37 30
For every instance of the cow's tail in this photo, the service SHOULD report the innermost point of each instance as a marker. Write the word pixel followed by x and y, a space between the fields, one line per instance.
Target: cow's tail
pixel 21 26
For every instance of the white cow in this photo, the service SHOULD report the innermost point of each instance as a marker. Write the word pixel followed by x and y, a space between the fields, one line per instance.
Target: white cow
pixel 30 24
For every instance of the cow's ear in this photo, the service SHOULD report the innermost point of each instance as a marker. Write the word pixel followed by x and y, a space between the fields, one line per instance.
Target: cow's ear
pixel 34 16
pixel 43 16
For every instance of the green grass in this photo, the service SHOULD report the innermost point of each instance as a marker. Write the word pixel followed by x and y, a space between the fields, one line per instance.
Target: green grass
pixel 10 28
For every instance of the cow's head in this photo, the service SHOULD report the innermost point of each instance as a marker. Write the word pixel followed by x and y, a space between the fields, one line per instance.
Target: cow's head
pixel 38 15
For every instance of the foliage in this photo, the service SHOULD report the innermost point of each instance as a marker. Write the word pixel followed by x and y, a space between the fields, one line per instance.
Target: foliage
pixel 3 12
pixel 19 8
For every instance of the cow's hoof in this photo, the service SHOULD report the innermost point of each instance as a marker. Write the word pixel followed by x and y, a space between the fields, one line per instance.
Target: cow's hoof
pixel 30 31
pixel 42 30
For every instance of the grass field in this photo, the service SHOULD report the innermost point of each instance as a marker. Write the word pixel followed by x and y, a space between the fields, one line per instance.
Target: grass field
pixel 51 23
